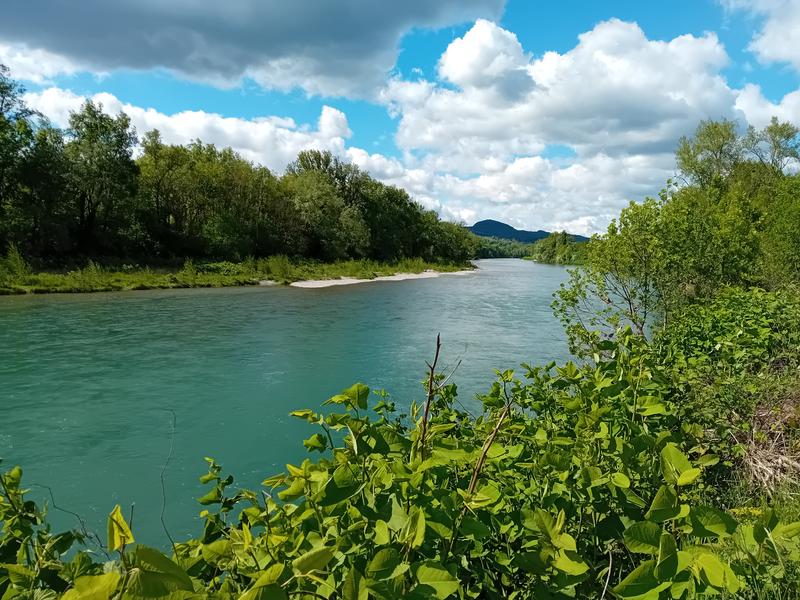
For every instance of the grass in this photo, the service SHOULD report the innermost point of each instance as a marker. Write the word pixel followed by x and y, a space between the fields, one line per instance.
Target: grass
pixel 16 277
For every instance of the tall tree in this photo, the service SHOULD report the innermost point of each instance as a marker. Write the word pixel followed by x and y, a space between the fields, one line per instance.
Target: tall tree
pixel 102 177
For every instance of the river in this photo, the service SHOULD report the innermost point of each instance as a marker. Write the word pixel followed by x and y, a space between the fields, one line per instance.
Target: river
pixel 89 384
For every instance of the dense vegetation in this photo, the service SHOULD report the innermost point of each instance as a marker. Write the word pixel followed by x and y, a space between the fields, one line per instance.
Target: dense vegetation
pixel 559 248
pixel 67 196
pixel 493 247
pixel 663 463
pixel 16 276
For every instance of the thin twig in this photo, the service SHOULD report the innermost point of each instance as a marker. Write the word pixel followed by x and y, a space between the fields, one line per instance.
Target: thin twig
pixel 608 577
pixel 163 481
pixel 429 399
pixel 84 530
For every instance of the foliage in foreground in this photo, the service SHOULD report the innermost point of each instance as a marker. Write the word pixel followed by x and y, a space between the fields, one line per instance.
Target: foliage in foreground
pixel 16 276
pixel 579 481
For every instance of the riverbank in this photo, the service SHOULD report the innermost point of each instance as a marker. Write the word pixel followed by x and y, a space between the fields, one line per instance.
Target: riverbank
pixel 323 283
pixel 273 270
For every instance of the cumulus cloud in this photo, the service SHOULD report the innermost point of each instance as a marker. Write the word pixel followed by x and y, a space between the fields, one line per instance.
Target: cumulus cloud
pixel 487 138
pixel 36 65
pixel 330 48
pixel 759 110
pixel 270 141
pixel 777 39
pixel 615 92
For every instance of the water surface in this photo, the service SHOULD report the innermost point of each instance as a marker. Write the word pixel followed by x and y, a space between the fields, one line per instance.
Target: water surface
pixel 89 383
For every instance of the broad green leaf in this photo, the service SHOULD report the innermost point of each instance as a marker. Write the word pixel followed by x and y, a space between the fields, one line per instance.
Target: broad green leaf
pixel 94 587
pixel 665 505
pixel 313 560
pixel 341 486
pixel 620 480
pixel 152 561
pixel 381 533
pixel 266 586
pixel 358 395
pixel 709 522
pixel 432 573
pixel 295 489
pixel 386 564
pixel 216 551
pixel 413 533
pixel 119 533
pixel 265 592
pixel 212 497
pixel 20 575
pixel 643 537
pixel 688 476
pixel 315 442
pixel 355 586
pixel 641 583
pixel 570 562
pixel 673 463
pixel 667 562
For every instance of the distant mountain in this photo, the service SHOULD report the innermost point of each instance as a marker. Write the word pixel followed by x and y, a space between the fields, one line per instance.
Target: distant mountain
pixel 491 228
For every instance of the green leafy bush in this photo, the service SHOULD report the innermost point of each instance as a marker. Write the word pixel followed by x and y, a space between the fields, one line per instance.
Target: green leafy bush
pixel 578 481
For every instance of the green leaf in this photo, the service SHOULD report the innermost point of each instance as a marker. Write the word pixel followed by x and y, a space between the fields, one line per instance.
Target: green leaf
pixel 667 563
pixel 674 463
pixel 358 395
pixel 688 476
pixel 355 586
pixel 665 505
pixel 643 537
pixel 216 551
pixel 155 563
pixel 266 586
pixel 315 442
pixel 413 533
pixel 570 562
pixel 386 564
pixel 341 486
pixel 93 587
pixel 620 480
pixel 295 489
pixel 641 583
pixel 212 497
pixel 432 573
pixel 119 533
pixel 483 497
pixel 709 522
pixel 381 533
pixel 313 560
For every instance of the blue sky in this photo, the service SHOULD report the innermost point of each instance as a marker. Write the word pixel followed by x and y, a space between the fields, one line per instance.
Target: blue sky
pixel 546 115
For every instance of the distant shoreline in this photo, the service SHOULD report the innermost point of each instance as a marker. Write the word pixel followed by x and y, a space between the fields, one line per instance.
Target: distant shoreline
pixel 265 272
pixel 324 283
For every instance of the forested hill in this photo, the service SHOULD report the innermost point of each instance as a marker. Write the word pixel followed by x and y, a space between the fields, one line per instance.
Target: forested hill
pixel 497 229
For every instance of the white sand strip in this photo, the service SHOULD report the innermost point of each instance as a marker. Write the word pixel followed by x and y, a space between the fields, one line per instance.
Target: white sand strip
pixel 322 283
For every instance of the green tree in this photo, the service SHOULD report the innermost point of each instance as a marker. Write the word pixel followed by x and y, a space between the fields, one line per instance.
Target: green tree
pixel 712 154
pixel 102 176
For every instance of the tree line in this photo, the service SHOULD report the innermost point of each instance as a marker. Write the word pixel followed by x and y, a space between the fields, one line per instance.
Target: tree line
pixel 95 189
pixel 731 217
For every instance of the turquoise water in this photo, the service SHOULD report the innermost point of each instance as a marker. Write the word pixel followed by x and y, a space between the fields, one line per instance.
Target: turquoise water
pixel 89 383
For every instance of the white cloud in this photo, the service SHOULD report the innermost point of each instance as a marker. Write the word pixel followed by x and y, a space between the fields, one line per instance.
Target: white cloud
pixel 270 141
pixel 778 40
pixel 759 110
pixel 36 65
pixel 487 57
pixel 479 143
pixel 328 48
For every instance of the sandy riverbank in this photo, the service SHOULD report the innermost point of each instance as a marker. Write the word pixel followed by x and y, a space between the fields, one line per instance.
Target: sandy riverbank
pixel 322 283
